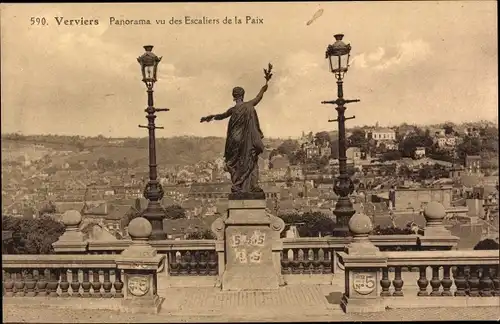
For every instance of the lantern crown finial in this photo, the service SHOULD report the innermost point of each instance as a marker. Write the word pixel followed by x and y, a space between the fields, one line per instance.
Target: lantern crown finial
pixel 148 48
pixel 338 37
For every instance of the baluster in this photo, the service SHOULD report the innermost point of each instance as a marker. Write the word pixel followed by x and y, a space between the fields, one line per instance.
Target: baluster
pixel 285 262
pixel 446 282
pixel 473 282
pixel 212 263
pixel 19 283
pixel 30 283
pixel 460 281
pixel 294 263
pixel 53 282
pixel 485 283
pixel 300 254
pixel 118 284
pixel 96 284
pixel 86 284
pixel 173 264
pixel 8 283
pixel 64 284
pixel 42 282
pixel 496 281
pixel 307 264
pixel 385 283
pixel 106 285
pixel 316 262
pixel 203 264
pixel 398 282
pixel 435 282
pixel 75 283
pixel 327 261
pixel 183 264
pixel 193 264
pixel 422 281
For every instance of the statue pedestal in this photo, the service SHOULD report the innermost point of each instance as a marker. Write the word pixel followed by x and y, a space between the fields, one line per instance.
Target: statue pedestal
pixel 252 246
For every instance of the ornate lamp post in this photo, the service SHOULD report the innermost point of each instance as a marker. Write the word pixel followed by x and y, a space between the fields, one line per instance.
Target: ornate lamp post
pixel 153 191
pixel 338 55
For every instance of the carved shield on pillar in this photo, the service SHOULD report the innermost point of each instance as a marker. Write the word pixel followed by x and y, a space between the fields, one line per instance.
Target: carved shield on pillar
pixel 138 285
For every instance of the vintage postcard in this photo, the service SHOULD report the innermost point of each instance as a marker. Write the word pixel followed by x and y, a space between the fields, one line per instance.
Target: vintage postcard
pixel 228 162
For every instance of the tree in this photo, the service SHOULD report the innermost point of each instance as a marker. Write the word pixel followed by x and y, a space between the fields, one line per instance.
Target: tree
pixel 314 223
pixel 357 139
pixel 175 212
pixel 35 236
pixel 470 146
pixel 201 235
pixel 299 157
pixel 321 138
pixel 487 244
pixel 391 230
pixel 288 147
pixel 420 138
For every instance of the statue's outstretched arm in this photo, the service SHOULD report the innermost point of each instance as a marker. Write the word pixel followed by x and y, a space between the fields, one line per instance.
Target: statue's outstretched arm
pixel 255 101
pixel 222 116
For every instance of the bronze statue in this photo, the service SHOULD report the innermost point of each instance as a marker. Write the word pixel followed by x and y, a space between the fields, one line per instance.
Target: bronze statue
pixel 243 142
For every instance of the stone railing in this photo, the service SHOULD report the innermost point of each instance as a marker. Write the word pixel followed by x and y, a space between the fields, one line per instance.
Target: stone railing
pixel 297 256
pixel 376 280
pixel 127 282
pixel 183 257
pixel 318 255
pixel 61 276
pixel 454 273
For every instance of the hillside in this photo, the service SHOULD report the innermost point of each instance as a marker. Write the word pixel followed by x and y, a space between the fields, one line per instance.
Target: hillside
pixel 175 150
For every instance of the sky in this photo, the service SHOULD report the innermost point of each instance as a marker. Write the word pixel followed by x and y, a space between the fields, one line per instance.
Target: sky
pixel 415 62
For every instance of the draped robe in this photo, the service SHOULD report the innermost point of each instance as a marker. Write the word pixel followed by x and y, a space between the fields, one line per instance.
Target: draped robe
pixel 243 147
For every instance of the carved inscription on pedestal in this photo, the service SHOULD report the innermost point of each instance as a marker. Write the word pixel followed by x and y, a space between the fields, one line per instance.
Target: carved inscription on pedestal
pixel 138 285
pixel 363 283
pixel 248 248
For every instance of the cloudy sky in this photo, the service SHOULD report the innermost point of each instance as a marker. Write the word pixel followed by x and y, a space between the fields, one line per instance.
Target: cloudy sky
pixel 421 62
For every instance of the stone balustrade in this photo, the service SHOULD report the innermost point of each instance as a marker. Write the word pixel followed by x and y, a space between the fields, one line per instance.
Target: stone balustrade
pixel 298 255
pixel 371 286
pixel 61 276
pixel 318 255
pixel 454 273
pixel 183 257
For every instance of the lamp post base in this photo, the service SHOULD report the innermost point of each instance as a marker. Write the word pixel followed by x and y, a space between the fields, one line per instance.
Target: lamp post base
pixel 343 212
pixel 155 214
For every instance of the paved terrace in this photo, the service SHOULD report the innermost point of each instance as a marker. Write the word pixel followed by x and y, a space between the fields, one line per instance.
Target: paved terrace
pixel 302 303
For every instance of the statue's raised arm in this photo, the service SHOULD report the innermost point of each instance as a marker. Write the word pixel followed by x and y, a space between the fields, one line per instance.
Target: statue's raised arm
pixel 267 75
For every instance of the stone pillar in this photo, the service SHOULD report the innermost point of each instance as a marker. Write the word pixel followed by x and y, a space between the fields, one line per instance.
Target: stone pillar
pixel 362 262
pixel 251 244
pixel 72 240
pixel 218 230
pixel 435 233
pixel 139 264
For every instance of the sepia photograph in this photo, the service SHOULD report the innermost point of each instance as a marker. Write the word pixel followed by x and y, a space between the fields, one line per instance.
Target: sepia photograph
pixel 332 161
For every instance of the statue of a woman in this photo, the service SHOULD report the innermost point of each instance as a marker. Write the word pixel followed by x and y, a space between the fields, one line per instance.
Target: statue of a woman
pixel 244 140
